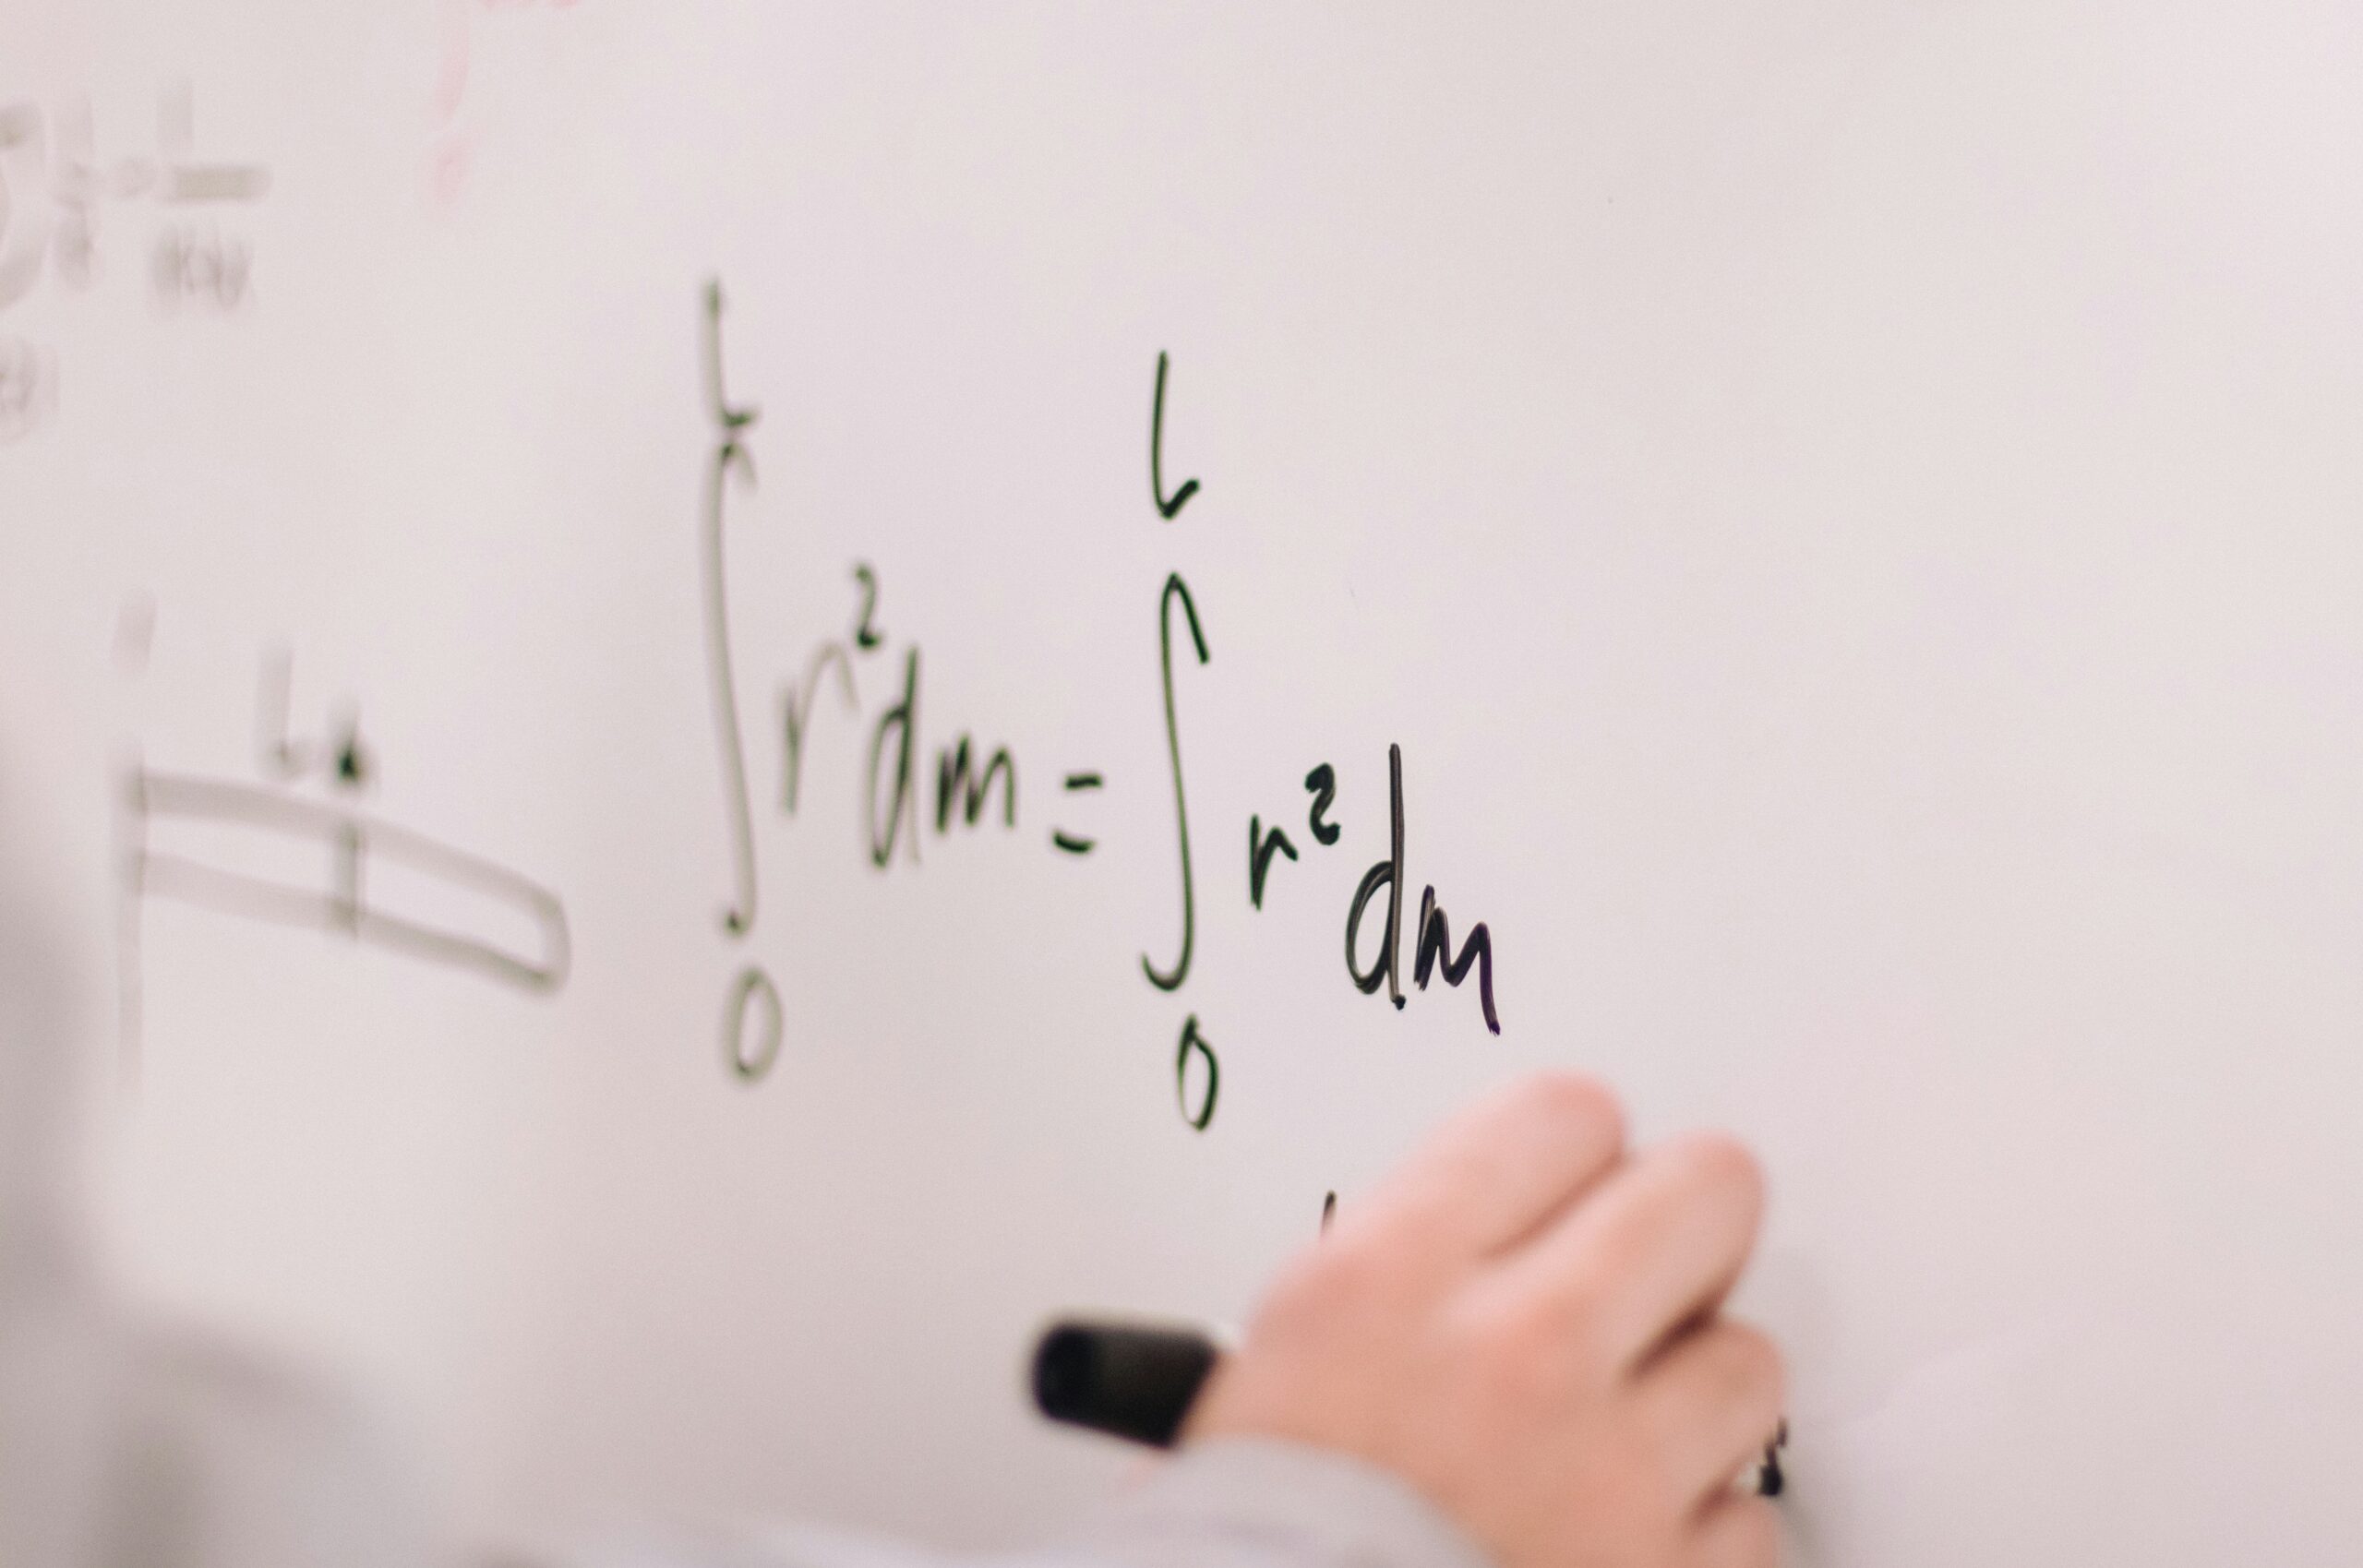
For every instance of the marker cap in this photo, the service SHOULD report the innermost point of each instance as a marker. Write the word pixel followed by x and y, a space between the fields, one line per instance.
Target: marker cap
pixel 1123 1379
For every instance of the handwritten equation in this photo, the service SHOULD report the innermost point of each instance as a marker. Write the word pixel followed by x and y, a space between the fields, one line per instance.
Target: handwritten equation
pixel 57 192
pixel 976 783
pixel 261 851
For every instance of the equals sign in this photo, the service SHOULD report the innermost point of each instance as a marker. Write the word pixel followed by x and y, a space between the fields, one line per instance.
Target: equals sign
pixel 1076 783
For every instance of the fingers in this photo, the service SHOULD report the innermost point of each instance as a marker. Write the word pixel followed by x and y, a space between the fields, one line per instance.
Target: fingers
pixel 1736 1531
pixel 1711 1403
pixel 1509 1165
pixel 1659 1244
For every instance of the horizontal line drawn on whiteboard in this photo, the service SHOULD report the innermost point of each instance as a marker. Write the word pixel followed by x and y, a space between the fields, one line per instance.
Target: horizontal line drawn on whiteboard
pixel 1075 843
pixel 238 849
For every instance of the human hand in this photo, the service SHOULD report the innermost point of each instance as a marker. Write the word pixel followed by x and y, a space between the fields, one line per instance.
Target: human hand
pixel 1525 1323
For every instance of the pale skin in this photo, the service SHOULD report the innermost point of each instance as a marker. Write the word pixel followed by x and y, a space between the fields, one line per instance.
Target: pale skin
pixel 1526 1324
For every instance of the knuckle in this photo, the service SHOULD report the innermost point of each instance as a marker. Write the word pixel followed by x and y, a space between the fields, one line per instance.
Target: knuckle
pixel 1585 1308
pixel 1418 1210
pixel 1758 1374
pixel 1566 1317
pixel 1725 1165
pixel 1638 1218
pixel 1346 1266
pixel 1578 1102
pixel 1663 1487
pixel 1636 1477
pixel 1521 1350
pixel 1750 1534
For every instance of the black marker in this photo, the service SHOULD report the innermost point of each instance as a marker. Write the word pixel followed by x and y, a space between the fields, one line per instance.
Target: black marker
pixel 1124 1379
pixel 1138 1382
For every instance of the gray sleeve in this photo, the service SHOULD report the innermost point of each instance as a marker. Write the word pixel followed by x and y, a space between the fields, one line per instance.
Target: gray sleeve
pixel 1233 1503
pixel 1263 1503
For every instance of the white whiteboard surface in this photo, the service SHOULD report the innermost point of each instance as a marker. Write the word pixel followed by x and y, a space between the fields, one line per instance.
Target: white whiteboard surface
pixel 1852 513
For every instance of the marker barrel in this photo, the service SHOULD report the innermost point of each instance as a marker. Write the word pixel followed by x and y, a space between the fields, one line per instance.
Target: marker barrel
pixel 1122 1378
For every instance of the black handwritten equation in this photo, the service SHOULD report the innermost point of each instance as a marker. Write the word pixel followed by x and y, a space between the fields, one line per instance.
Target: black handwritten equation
pixel 56 194
pixel 264 851
pixel 968 784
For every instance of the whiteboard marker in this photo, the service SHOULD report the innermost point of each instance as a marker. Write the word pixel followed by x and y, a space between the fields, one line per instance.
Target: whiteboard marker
pixel 1129 1380
pixel 1138 1381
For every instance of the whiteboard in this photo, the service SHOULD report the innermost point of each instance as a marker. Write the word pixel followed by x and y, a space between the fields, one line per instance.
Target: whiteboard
pixel 1847 515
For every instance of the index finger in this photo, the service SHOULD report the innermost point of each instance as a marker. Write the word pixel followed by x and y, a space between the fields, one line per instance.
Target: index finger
pixel 1508 1167
pixel 1661 1243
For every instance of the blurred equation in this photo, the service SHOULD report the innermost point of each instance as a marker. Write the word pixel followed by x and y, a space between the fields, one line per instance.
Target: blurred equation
pixel 58 194
pixel 260 850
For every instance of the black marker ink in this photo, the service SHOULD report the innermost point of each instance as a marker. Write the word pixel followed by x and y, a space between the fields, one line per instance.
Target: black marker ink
pixel 353 769
pixel 866 635
pixel 196 264
pixel 730 454
pixel 1435 942
pixel 1329 1213
pixel 1193 1041
pixel 795 711
pixel 1074 843
pixel 753 988
pixel 343 907
pixel 1166 508
pixel 345 895
pixel 1170 979
pixel 956 781
pixel 276 754
pixel 1323 782
pixel 1260 850
pixel 344 761
pixel 1770 1480
pixel 903 717
pixel 1387 873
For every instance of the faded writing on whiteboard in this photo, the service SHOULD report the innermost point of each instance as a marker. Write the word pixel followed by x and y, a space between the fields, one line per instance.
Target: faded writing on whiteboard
pixel 261 852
